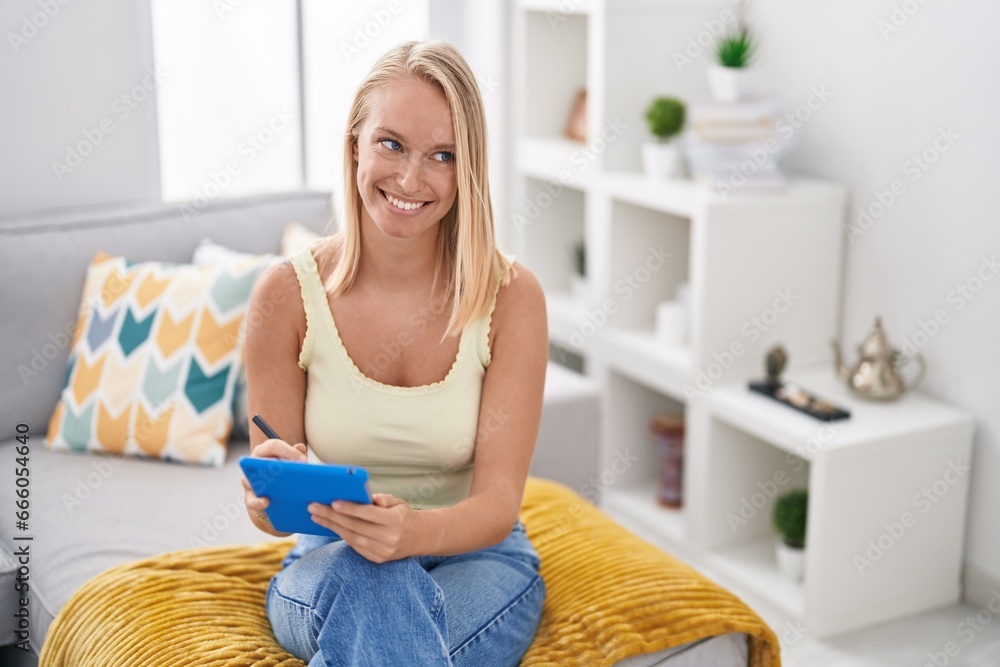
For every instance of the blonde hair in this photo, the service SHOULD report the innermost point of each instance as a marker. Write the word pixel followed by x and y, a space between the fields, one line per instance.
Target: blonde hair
pixel 466 244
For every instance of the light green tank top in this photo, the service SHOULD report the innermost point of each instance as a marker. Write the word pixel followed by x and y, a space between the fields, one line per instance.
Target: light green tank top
pixel 417 443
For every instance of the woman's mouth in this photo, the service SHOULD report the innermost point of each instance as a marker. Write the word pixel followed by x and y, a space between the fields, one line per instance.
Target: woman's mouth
pixel 401 204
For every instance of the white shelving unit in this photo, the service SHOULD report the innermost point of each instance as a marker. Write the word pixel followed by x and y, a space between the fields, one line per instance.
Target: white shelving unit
pixel 738 254
pixel 761 268
pixel 735 254
pixel 888 495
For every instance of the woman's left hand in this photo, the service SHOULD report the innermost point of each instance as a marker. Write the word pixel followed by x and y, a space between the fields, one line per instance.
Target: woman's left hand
pixel 382 531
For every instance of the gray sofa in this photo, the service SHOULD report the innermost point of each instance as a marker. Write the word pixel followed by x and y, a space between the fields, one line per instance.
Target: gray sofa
pixel 90 512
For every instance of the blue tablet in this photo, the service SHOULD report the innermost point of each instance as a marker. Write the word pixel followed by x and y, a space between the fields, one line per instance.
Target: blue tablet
pixel 291 486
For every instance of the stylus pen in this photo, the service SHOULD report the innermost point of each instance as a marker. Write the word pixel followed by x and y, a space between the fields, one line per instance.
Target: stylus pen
pixel 269 432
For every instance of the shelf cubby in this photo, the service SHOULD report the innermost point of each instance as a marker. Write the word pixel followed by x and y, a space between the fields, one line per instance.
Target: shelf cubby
pixel 547 232
pixel 629 467
pixel 639 277
pixel 553 63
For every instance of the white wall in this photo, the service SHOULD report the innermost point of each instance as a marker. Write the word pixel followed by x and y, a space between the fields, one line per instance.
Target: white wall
pixel 86 67
pixel 891 95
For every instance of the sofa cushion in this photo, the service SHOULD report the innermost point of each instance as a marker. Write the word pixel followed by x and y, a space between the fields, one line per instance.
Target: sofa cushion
pixel 46 257
pixel 610 596
pixel 154 360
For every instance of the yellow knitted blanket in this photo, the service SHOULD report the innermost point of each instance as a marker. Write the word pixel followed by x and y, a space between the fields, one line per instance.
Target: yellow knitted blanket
pixel 610 596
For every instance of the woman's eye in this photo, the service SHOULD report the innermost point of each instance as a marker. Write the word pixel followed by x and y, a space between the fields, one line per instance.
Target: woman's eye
pixel 445 156
pixel 391 144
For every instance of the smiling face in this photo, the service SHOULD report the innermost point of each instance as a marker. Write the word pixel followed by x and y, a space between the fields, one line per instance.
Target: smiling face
pixel 405 157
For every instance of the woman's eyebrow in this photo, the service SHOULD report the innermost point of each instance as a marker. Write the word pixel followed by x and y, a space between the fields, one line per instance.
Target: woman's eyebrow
pixel 397 135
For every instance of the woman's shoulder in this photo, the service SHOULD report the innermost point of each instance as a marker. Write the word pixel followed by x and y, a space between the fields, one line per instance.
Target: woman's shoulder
pixel 277 294
pixel 520 304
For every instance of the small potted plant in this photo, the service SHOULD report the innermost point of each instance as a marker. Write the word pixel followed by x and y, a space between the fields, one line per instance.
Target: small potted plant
pixel 730 79
pixel 578 282
pixel 789 517
pixel 661 158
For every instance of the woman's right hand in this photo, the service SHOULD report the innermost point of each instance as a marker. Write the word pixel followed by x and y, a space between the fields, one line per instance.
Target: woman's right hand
pixel 270 449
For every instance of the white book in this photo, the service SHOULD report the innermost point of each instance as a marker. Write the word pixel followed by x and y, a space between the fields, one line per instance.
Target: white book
pixel 709 110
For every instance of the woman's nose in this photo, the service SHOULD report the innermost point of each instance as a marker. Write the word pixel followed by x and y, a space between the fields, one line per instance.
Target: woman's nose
pixel 410 177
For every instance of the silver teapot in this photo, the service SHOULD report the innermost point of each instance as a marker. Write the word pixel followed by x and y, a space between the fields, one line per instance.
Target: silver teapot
pixel 876 375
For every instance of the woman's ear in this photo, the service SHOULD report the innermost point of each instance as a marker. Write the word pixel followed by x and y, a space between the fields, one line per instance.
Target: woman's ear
pixel 354 150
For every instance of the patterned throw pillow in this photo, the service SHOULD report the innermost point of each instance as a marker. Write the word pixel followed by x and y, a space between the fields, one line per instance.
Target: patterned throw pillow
pixel 154 360
pixel 209 253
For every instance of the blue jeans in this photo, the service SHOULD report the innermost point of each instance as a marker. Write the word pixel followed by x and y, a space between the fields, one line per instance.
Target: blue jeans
pixel 328 605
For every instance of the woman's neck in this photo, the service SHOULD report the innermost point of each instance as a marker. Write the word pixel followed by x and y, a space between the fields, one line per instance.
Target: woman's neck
pixel 397 266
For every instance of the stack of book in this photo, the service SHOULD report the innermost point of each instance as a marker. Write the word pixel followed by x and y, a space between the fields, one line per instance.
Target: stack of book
pixel 734 146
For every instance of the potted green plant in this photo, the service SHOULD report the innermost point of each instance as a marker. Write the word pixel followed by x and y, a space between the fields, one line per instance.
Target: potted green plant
pixel 730 78
pixel 661 158
pixel 789 518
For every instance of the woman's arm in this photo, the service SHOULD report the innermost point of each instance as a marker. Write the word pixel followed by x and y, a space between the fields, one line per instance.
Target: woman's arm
pixel 509 414
pixel 276 386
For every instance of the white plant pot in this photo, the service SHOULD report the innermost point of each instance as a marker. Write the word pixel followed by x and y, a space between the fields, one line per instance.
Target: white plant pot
pixel 662 161
pixel 730 84
pixel 791 561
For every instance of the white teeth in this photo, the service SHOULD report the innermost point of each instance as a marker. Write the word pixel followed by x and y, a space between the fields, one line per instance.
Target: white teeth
pixel 401 204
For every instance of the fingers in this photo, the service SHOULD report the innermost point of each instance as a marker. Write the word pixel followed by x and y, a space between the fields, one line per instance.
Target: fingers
pixel 386 500
pixel 273 448
pixel 257 503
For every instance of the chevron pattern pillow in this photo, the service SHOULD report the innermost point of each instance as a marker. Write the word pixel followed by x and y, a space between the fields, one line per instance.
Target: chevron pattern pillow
pixel 154 360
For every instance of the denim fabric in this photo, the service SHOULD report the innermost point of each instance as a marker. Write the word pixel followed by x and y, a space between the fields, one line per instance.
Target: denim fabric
pixel 330 606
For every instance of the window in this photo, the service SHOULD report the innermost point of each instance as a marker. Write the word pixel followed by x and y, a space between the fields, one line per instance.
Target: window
pixel 230 99
pixel 228 103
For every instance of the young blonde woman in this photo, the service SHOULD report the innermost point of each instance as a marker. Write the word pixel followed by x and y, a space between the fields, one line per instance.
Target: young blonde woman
pixel 407 343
